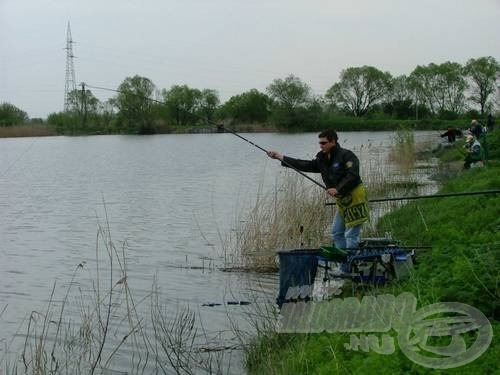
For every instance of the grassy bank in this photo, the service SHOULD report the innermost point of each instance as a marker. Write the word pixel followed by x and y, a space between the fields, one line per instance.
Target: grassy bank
pixel 461 267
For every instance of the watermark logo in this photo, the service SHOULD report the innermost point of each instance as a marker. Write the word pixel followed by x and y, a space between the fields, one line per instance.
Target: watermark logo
pixel 325 290
pixel 456 319
pixel 431 336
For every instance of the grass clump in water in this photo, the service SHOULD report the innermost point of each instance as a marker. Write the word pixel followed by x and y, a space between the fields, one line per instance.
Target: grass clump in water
pixel 403 152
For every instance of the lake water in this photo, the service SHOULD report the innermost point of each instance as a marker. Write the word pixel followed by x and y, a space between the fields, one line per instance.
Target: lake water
pixel 169 200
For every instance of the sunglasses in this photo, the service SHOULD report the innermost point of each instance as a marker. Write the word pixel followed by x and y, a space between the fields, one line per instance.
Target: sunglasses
pixel 323 143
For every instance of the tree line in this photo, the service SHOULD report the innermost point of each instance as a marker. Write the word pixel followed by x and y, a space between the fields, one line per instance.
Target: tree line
pixel 435 91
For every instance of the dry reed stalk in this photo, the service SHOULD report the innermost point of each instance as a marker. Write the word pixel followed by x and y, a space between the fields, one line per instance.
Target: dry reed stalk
pixel 275 222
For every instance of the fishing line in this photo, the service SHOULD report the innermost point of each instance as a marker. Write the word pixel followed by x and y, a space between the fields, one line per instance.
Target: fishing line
pixel 18 158
pixel 219 126
pixel 18 215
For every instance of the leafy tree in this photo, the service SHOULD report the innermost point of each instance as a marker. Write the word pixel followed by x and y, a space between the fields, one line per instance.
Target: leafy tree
pixel 251 106
pixel 85 106
pixel 400 109
pixel 87 115
pixel 106 114
pixel 400 103
pixel 441 87
pixel 359 89
pixel 182 102
pixel 401 89
pixel 83 102
pixel 134 104
pixel 208 103
pixel 290 92
pixel 64 122
pixel 484 73
pixel 11 115
pixel 292 102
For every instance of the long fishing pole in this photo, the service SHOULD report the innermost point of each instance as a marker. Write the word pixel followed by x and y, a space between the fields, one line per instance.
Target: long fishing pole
pixel 495 191
pixel 219 126
pixel 283 161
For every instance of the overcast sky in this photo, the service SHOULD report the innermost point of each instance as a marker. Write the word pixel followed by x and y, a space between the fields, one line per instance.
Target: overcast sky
pixel 229 45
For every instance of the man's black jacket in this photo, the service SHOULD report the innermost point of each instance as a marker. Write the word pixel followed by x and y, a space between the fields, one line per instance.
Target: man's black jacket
pixel 339 169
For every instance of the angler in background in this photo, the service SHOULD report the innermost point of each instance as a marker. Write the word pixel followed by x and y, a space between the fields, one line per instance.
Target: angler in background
pixel 476 128
pixel 474 153
pixel 451 133
pixel 339 170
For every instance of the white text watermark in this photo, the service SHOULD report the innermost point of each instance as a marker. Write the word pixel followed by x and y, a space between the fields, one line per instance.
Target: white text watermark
pixel 383 314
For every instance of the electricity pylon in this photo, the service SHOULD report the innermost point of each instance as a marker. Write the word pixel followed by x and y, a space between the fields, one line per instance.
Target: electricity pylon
pixel 70 84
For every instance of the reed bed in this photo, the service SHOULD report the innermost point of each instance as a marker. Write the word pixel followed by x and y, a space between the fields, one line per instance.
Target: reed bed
pixel 290 217
pixel 403 151
pixel 35 130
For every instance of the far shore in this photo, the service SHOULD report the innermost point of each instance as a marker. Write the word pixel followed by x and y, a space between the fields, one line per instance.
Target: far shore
pixel 350 124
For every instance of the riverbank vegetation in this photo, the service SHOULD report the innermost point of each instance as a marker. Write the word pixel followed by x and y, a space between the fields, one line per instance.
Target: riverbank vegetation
pixel 432 96
pixel 462 266
pixel 283 219
pixel 288 216
pixel 27 130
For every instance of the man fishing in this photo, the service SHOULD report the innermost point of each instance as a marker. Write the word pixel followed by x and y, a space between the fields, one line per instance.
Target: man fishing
pixel 474 153
pixel 339 169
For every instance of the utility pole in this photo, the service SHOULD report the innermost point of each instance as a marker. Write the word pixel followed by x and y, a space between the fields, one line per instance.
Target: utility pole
pixel 416 105
pixel 84 105
pixel 70 70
